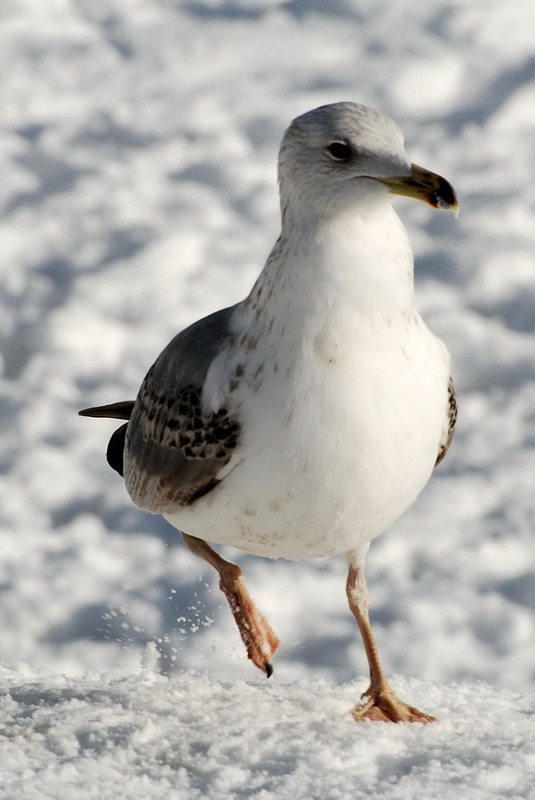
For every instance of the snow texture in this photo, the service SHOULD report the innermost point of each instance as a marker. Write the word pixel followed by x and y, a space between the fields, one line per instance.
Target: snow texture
pixel 138 141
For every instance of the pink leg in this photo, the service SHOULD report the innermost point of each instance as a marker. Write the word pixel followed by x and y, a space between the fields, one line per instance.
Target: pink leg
pixel 260 641
pixel 382 704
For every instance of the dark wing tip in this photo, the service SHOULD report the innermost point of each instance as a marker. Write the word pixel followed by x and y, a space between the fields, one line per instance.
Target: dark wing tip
pixel 121 410
pixel 115 451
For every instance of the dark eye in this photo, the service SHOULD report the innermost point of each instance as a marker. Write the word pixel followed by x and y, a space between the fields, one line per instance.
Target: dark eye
pixel 340 151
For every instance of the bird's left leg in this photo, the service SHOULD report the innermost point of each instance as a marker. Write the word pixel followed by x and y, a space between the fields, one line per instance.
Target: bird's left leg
pixel 381 703
pixel 256 633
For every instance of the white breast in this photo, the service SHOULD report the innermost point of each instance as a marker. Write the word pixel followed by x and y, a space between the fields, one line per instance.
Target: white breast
pixel 337 444
pixel 342 398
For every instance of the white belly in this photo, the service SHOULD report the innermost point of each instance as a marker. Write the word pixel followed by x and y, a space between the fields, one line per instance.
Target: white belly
pixel 332 451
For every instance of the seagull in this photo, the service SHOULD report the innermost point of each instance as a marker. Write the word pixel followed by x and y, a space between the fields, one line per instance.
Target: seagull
pixel 304 420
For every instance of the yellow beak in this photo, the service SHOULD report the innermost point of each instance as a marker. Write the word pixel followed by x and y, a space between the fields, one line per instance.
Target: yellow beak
pixel 424 185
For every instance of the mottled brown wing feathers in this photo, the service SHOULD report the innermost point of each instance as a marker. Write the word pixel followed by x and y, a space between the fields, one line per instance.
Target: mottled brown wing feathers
pixel 171 450
pixel 450 427
pixel 174 449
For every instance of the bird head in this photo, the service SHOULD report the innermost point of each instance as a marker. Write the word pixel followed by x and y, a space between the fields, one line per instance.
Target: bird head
pixel 347 157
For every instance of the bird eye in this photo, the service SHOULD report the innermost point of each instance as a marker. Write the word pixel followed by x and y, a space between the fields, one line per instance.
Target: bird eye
pixel 340 151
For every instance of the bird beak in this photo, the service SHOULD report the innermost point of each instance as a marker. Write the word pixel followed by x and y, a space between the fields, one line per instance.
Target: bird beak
pixel 424 185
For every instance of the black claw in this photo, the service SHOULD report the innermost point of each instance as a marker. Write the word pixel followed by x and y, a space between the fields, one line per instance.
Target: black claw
pixel 269 670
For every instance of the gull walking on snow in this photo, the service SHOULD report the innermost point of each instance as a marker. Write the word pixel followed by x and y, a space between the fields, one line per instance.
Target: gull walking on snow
pixel 304 420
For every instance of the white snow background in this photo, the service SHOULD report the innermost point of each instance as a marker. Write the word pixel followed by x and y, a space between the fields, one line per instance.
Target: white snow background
pixel 138 142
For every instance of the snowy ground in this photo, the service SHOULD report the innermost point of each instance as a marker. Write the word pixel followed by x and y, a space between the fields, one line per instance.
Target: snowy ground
pixel 138 141
pixel 145 736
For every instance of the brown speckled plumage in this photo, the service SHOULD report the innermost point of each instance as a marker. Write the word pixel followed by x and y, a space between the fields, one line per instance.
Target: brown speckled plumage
pixel 452 419
pixel 174 447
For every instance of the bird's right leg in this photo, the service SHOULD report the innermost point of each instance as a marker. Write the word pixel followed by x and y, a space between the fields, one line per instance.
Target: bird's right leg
pixel 256 633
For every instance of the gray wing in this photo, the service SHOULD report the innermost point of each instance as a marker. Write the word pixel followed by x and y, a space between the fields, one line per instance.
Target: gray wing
pixel 173 450
pixel 450 426
pixel 170 451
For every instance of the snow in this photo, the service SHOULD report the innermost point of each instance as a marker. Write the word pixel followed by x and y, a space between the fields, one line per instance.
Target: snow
pixel 195 737
pixel 137 153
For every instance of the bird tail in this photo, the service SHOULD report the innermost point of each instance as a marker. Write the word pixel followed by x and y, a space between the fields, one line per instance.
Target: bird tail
pixel 121 410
